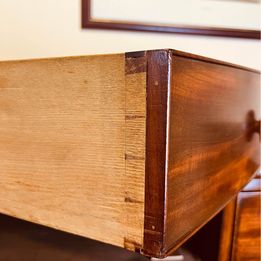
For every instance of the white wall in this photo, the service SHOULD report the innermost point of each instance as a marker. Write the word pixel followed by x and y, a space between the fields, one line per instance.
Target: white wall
pixel 46 28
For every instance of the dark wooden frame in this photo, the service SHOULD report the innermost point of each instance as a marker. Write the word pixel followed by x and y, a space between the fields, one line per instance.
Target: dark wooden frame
pixel 88 22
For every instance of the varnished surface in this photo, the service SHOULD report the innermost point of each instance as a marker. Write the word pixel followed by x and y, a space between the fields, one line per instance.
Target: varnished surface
pixel 209 157
pixel 135 128
pixel 246 245
pixel 240 233
pixel 156 140
pixel 72 145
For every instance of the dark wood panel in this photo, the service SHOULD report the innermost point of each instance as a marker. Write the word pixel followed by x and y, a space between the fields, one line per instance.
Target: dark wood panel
pixel 210 159
pixel 246 246
pixel 198 153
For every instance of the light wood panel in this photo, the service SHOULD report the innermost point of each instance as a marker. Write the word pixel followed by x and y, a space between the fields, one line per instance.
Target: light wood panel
pixel 135 122
pixel 64 137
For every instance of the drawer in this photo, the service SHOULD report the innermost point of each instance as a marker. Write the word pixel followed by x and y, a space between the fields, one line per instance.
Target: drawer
pixel 138 150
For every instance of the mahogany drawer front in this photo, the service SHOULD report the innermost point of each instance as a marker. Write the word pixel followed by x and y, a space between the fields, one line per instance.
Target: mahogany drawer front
pixel 138 150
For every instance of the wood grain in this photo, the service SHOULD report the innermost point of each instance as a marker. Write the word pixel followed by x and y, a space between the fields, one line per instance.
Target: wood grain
pixel 25 241
pixel 156 138
pixel 246 244
pixel 69 148
pixel 254 184
pixel 240 233
pixel 196 139
pixel 227 231
pixel 210 159
pixel 90 22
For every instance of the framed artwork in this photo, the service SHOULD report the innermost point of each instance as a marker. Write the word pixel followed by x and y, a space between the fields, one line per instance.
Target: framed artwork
pixel 231 18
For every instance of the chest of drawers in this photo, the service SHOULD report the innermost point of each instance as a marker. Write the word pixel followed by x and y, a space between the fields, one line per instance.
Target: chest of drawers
pixel 138 150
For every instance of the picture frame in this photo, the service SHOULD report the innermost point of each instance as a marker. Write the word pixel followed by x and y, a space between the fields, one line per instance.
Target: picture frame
pixel 89 21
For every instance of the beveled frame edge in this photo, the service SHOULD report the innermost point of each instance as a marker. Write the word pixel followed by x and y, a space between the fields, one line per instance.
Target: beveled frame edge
pixel 88 22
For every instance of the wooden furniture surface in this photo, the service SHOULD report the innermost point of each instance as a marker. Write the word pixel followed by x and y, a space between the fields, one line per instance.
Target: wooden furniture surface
pixel 138 150
pixel 88 21
pixel 241 229
pixel 227 231
pixel 204 155
pixel 246 243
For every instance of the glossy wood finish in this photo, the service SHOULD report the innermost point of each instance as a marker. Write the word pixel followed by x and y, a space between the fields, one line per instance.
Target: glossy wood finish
pixel 210 159
pixel 207 104
pixel 240 225
pixel 246 244
pixel 89 22
pixel 252 125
